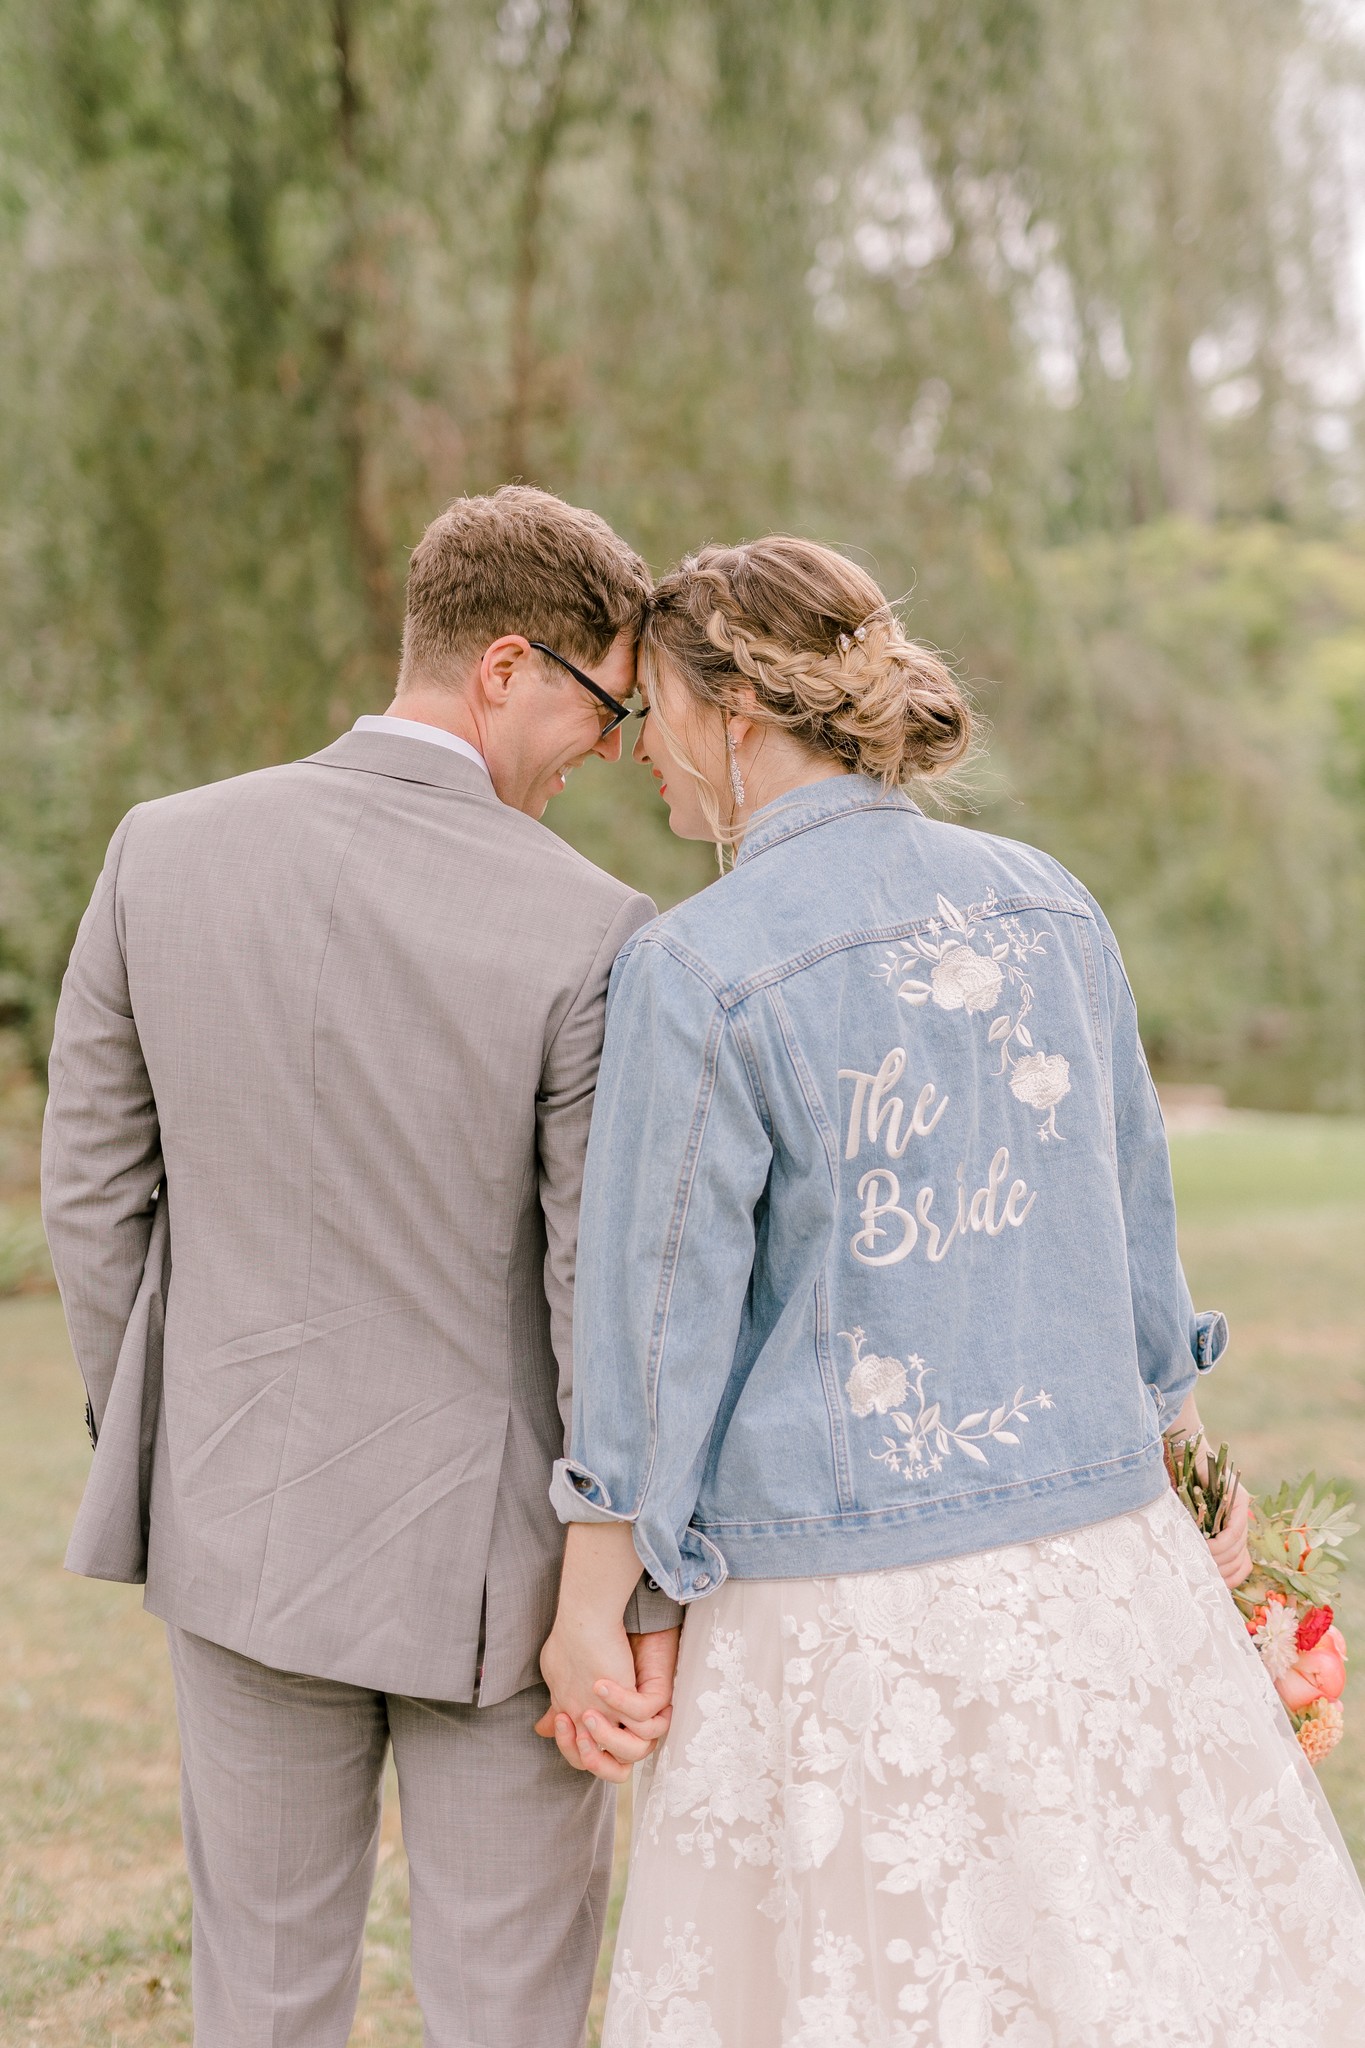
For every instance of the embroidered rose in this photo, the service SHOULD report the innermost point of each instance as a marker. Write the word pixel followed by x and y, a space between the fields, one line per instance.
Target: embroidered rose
pixel 915 1729
pixel 1170 1623
pixel 1059 1861
pixel 876 1385
pixel 1099 1642
pixel 887 1607
pixel 964 2016
pixel 1070 1976
pixel 964 980
pixel 988 1918
pixel 1041 1079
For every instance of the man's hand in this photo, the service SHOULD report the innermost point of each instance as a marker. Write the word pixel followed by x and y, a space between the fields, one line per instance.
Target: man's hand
pixel 1229 1547
pixel 610 1695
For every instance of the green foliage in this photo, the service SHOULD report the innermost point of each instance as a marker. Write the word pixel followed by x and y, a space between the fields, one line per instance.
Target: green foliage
pixel 1011 300
pixel 1194 755
pixel 1298 1540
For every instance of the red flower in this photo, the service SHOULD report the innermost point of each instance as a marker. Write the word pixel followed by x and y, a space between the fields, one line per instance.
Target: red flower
pixel 1313 1628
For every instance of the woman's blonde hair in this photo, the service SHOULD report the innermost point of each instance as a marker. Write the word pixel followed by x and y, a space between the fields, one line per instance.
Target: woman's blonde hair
pixel 808 637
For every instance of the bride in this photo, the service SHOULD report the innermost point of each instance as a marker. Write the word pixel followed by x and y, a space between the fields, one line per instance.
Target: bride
pixel 880 1326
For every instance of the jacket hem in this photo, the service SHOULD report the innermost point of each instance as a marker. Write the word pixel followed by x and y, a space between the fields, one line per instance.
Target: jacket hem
pixel 937 1530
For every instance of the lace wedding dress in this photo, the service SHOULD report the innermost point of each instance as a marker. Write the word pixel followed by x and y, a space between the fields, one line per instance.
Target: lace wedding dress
pixel 1034 1797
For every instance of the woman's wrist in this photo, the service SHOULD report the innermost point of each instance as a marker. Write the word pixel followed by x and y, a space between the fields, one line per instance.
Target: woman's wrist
pixel 600 1572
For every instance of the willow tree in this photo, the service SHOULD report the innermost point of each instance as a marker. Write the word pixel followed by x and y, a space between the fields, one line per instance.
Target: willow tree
pixel 951 282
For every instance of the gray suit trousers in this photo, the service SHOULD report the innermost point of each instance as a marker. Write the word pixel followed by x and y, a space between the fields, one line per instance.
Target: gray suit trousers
pixel 509 1853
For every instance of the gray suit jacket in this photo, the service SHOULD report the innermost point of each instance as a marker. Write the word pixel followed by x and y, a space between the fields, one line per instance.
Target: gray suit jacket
pixel 346 1015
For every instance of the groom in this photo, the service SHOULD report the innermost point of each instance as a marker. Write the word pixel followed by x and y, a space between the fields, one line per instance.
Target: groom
pixel 321 1082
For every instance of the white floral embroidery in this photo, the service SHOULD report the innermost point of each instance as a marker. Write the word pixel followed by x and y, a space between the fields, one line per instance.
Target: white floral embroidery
pixel 878 1385
pixel 657 2013
pixel 1039 1797
pixel 970 970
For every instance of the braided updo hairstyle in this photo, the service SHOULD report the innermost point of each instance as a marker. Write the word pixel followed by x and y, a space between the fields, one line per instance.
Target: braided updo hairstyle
pixel 808 637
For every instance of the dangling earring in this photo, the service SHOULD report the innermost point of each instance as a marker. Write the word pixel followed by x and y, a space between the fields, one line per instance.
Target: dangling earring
pixel 736 779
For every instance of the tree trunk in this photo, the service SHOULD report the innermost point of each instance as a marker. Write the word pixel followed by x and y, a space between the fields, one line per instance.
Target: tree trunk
pixel 543 141
pixel 369 541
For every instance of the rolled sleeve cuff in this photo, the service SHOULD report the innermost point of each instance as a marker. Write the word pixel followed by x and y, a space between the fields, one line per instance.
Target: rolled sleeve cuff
pixel 682 1570
pixel 1210 1338
pixel 578 1495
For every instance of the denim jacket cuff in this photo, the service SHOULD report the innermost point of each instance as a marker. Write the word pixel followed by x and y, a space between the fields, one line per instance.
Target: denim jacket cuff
pixel 578 1495
pixel 1210 1338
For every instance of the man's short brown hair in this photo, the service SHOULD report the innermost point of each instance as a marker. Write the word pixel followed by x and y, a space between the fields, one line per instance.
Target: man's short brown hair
pixel 520 561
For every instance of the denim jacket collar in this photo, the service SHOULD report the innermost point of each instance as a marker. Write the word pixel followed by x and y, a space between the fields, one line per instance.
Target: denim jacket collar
pixel 816 804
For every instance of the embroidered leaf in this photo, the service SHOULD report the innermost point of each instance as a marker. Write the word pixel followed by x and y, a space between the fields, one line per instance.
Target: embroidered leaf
pixel 973 1421
pixel 941 1440
pixel 1004 1436
pixel 904 1424
pixel 1021 1032
pixel 929 1419
pixel 999 952
pixel 952 915
pixel 997 1419
pixel 914 991
pixel 972 1451
pixel 1000 1029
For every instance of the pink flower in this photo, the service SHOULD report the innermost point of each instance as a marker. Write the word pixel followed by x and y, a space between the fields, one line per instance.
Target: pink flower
pixel 1316 1674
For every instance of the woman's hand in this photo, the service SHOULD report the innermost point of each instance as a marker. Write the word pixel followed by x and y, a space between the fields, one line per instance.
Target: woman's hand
pixel 1229 1548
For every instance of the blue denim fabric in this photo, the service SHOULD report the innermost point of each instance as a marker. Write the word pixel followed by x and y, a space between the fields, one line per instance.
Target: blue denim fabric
pixel 878 1259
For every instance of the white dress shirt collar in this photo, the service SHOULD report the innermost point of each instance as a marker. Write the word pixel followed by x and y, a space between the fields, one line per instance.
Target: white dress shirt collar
pixel 414 729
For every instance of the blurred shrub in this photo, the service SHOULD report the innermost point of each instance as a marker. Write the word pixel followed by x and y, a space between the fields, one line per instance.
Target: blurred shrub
pixel 1196 753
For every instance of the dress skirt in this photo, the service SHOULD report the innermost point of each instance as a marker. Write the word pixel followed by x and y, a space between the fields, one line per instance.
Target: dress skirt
pixel 1034 1797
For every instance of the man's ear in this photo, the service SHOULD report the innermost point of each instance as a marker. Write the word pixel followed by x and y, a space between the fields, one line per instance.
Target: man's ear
pixel 498 667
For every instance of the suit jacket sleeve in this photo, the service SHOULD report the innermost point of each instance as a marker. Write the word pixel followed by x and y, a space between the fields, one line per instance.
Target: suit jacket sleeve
pixel 563 1114
pixel 101 1140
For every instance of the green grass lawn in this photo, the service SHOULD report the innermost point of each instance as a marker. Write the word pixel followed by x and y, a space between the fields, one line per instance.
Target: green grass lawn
pixel 93 1906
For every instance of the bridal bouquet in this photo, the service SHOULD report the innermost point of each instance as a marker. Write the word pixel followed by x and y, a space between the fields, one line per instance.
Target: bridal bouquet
pixel 1297 1539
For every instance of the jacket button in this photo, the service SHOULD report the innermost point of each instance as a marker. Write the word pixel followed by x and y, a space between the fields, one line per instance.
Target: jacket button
pixel 702 1581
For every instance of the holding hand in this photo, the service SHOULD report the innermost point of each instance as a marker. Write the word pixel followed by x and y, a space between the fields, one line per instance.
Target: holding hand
pixel 1229 1547
pixel 610 1693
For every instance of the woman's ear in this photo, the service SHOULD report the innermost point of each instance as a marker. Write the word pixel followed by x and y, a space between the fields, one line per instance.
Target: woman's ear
pixel 742 716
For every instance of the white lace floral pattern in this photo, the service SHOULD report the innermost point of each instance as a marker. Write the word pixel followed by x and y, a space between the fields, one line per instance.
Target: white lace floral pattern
pixel 1041 1797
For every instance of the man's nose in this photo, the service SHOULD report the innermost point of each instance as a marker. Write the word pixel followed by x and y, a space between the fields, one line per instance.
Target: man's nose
pixel 609 746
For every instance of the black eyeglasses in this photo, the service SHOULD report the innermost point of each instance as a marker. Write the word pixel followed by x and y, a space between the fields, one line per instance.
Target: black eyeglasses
pixel 619 712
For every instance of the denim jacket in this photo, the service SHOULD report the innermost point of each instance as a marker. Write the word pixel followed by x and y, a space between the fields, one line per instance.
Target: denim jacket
pixel 877 1259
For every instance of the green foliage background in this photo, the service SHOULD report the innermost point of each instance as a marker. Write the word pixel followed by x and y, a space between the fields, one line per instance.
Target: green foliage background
pixel 1033 304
